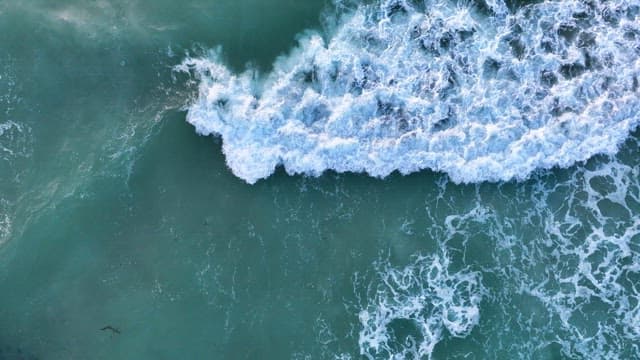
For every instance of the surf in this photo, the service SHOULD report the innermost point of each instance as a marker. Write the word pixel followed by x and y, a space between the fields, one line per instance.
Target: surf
pixel 480 91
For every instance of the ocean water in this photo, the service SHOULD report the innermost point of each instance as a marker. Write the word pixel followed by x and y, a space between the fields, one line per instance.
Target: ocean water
pixel 279 179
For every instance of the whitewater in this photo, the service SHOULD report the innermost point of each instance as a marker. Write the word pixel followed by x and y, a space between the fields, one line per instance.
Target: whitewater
pixel 483 92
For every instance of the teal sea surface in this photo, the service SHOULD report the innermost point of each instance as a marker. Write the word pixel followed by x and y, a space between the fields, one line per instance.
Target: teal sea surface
pixel 307 179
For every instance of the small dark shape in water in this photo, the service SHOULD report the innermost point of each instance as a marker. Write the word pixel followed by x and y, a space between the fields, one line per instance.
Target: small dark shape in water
pixel 112 329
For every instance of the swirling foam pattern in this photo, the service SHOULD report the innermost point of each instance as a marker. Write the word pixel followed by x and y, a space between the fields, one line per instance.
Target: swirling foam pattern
pixel 560 280
pixel 428 296
pixel 482 92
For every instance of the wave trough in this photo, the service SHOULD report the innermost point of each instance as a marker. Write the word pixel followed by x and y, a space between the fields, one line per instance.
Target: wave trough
pixel 481 91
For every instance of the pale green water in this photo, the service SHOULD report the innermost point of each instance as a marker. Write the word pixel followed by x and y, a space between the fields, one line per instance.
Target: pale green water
pixel 114 212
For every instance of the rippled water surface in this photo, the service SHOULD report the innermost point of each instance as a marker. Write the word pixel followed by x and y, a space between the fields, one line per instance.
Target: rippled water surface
pixel 385 179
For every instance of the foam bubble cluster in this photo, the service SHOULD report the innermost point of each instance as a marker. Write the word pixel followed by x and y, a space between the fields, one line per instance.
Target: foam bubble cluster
pixel 15 143
pixel 560 279
pixel 481 91
pixel 592 286
pixel 425 299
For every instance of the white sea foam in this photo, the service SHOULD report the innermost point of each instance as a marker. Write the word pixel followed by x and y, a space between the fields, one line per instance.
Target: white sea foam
pixel 5 222
pixel 481 95
pixel 11 140
pixel 14 136
pixel 560 279
pixel 565 271
pixel 13 144
pixel 431 300
pixel 595 240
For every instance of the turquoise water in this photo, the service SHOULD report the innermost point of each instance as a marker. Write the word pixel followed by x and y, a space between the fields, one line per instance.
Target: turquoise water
pixel 115 212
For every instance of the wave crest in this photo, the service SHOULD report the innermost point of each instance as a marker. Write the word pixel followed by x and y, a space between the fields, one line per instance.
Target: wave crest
pixel 483 93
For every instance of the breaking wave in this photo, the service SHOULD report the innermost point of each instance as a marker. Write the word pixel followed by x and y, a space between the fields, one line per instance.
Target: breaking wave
pixel 481 91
